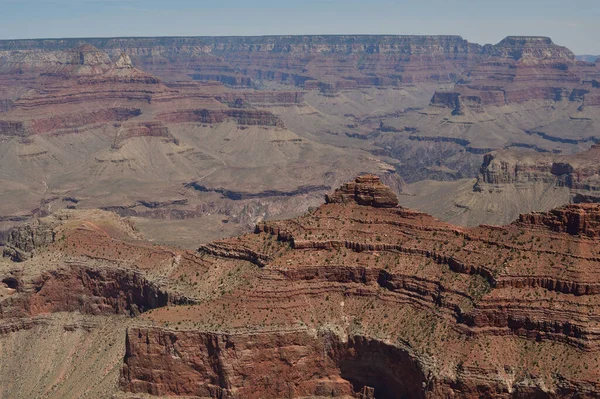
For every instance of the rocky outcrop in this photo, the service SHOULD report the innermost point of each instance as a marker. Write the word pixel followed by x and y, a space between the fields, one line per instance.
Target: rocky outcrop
pixel 580 172
pixel 240 116
pixel 581 220
pixel 516 70
pixel 366 190
pixel 385 301
pixel 22 242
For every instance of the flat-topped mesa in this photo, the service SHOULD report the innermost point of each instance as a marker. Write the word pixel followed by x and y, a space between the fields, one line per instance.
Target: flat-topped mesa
pixel 276 43
pixel 366 190
pixel 579 219
pixel 539 47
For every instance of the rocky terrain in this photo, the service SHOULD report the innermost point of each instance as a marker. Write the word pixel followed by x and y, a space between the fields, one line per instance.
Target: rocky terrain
pixel 321 62
pixel 511 182
pixel 356 298
pixel 83 131
pixel 210 135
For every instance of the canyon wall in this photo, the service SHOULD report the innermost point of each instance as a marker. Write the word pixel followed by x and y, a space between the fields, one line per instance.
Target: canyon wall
pixel 344 61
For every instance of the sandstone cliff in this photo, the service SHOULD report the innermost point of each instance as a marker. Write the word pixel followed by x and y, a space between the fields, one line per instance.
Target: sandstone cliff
pixel 353 298
pixel 350 299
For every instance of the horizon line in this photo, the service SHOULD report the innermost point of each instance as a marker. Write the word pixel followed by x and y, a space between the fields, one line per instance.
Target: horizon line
pixel 262 36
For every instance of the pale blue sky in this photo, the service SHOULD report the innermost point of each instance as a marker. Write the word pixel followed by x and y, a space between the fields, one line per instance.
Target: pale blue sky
pixel 572 23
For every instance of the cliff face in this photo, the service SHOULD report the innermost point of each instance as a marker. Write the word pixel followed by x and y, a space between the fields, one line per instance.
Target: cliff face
pixel 515 70
pixel 580 172
pixel 355 299
pixel 273 365
pixel 347 61
pixel 519 69
pixel 581 220
pixel 240 116
pixel 351 299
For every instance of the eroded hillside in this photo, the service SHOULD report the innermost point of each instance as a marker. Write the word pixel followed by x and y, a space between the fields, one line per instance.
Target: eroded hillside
pixel 357 297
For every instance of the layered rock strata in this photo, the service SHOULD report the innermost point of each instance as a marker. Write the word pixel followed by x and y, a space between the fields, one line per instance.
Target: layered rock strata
pixel 366 190
pixel 579 172
pixel 300 60
pixel 519 69
pixel 359 299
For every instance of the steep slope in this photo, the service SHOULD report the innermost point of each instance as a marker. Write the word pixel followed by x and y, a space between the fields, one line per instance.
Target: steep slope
pixel 357 297
pixel 385 301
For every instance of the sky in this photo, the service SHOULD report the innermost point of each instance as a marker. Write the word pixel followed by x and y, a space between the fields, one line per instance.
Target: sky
pixel 571 23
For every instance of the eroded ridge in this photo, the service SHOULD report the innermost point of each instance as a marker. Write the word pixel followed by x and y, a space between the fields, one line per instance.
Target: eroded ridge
pixel 350 299
pixel 358 299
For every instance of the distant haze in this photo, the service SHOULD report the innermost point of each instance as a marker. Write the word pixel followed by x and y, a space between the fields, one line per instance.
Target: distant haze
pixel 569 23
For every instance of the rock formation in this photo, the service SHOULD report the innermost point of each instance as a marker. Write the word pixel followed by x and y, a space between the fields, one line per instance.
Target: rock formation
pixel 580 172
pixel 582 220
pixel 301 60
pixel 358 297
pixel 366 190
pixel 516 70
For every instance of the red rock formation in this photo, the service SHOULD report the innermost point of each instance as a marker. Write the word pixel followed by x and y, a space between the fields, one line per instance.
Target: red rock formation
pixel 349 298
pixel 72 121
pixel 272 365
pixel 402 303
pixel 365 190
pixel 581 219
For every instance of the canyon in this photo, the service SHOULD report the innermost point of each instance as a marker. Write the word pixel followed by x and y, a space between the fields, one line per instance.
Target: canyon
pixel 121 123
pixel 353 216
pixel 359 297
